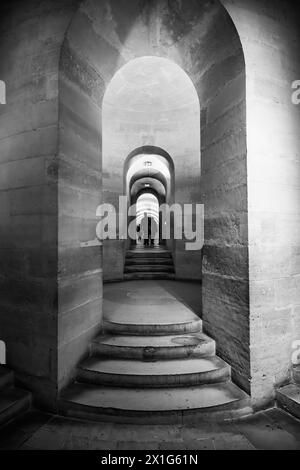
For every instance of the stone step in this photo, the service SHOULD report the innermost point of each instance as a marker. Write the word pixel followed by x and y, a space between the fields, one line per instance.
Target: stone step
pixel 296 374
pixel 153 329
pixel 13 402
pixel 150 348
pixel 149 254
pixel 147 261
pixel 174 373
pixel 6 377
pixel 288 398
pixel 150 268
pixel 149 276
pixel 153 315
pixel 155 406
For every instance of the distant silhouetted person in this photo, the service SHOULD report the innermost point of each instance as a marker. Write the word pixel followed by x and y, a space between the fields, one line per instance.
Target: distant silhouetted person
pixel 138 231
pixel 2 353
pixel 145 229
pixel 152 229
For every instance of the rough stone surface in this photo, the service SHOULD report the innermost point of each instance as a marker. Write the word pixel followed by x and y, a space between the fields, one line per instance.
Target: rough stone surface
pixel 269 33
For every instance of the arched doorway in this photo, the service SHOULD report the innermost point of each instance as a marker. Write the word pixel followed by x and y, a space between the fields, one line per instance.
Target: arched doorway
pixel 147 205
pixel 150 171
pixel 151 106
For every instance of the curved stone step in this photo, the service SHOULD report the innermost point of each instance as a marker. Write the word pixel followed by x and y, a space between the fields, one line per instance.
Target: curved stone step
pixel 135 313
pixel 13 402
pixel 149 276
pixel 155 406
pixel 146 261
pixel 288 398
pixel 152 329
pixel 174 373
pixel 148 253
pixel 150 348
pixel 149 268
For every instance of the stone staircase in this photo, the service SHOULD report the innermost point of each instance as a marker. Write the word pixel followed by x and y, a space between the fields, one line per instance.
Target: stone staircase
pixel 148 263
pixel 152 365
pixel 13 401
pixel 288 397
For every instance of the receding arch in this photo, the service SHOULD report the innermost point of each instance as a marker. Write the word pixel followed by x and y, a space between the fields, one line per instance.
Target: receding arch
pixel 160 179
pixel 151 165
pixel 162 169
pixel 147 191
pixel 147 201
pixel 151 99
pixel 150 150
pixel 147 184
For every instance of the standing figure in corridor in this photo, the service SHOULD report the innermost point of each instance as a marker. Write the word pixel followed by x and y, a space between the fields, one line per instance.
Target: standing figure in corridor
pixel 152 230
pixel 145 229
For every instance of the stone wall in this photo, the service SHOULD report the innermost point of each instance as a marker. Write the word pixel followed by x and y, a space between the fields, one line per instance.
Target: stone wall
pixel 269 32
pixel 31 34
pixel 79 195
pixel 224 195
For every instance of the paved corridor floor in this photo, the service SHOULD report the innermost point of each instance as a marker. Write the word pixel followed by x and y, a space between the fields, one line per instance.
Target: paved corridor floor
pixel 270 430
pixel 147 302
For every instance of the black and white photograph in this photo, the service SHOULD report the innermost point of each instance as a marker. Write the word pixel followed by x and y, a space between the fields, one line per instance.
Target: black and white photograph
pixel 149 229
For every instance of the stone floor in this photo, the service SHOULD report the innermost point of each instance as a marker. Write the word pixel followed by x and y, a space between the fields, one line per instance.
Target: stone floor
pixel 270 430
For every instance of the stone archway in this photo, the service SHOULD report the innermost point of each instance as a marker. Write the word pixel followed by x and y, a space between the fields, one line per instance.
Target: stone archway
pixel 151 103
pixel 161 171
pixel 156 185
pixel 102 37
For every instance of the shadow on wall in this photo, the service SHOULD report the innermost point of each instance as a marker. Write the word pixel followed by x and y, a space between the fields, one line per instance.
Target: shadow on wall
pixel 2 353
pixel 187 293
